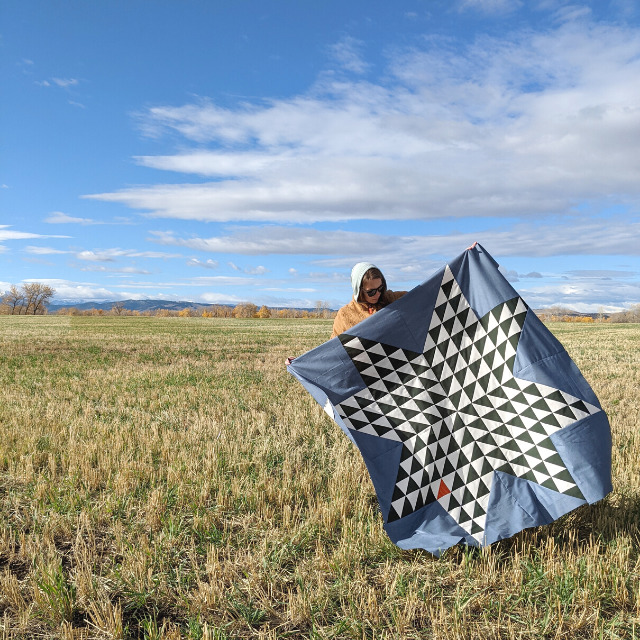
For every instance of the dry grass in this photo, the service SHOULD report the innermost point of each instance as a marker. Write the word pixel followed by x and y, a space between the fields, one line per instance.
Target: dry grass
pixel 166 478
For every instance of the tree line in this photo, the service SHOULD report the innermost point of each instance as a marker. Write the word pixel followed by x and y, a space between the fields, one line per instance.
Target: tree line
pixel 242 310
pixel 32 298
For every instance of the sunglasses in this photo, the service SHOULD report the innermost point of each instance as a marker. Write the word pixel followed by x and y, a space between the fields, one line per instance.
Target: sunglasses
pixel 372 292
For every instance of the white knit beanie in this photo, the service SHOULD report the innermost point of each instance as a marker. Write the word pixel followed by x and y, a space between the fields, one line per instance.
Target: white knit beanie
pixel 356 276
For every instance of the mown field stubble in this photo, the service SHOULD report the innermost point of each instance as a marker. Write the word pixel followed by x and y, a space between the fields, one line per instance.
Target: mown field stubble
pixel 166 478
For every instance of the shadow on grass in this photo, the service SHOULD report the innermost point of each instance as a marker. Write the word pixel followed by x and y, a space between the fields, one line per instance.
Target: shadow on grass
pixel 605 522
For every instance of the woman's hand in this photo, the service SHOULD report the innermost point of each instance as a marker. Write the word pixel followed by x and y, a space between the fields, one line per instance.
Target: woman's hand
pixel 471 247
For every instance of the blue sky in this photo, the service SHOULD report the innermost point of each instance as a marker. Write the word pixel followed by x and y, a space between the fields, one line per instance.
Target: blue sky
pixel 255 150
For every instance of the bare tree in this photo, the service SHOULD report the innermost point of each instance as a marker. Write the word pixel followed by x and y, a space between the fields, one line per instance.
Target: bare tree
pixel 117 308
pixel 14 300
pixel 36 296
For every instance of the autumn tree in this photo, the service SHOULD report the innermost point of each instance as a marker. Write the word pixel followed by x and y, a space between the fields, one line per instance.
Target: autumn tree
pixel 264 312
pixel 245 310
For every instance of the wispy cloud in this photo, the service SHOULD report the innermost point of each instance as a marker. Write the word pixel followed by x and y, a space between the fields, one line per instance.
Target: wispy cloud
pixel 583 296
pixel 71 290
pixel 65 82
pixel 490 6
pixel 524 126
pixel 513 276
pixel 256 271
pixel 44 251
pixel 110 255
pixel 6 233
pixel 102 269
pixel 348 54
pixel 276 240
pixel 602 274
pixel 207 264
pixel 614 236
pixel 58 217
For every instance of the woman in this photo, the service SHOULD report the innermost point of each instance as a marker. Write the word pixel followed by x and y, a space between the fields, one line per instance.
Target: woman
pixel 370 294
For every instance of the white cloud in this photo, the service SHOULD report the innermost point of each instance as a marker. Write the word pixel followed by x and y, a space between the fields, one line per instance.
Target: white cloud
pixel 523 126
pixel 256 271
pixel 572 13
pixel 614 236
pixel 102 269
pixel 220 281
pixel 296 289
pixel 58 217
pixel 583 296
pixel 220 298
pixel 202 281
pixel 65 82
pixel 110 255
pixel 70 290
pixel 7 234
pixel 208 264
pixel 347 53
pixel 44 251
pixel 491 6
pixel 603 274
pixel 277 240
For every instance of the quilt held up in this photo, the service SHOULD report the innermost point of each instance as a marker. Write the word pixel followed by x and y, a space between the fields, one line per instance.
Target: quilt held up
pixel 473 421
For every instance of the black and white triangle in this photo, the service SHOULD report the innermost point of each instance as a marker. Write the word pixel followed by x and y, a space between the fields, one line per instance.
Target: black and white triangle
pixel 459 411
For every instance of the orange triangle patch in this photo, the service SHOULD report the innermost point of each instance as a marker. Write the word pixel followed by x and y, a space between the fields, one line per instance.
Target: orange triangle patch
pixel 442 490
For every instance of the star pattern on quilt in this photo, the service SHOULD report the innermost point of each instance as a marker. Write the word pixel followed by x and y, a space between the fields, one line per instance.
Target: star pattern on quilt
pixel 459 411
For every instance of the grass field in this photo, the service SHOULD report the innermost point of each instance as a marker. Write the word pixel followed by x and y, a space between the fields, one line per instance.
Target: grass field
pixel 166 478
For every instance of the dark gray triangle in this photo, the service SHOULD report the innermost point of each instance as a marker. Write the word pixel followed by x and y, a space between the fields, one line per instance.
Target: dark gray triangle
pixel 476 528
pixel 478 510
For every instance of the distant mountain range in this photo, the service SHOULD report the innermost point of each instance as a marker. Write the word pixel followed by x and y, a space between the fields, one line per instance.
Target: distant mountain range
pixel 178 305
pixel 133 305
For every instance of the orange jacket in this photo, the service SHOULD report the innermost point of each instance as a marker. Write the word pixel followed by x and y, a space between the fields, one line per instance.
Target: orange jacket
pixel 354 312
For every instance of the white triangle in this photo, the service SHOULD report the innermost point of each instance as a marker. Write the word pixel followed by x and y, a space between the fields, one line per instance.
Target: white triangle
pixel 455 385
pixel 362 357
pixel 457 326
pixel 441 299
pixel 451 349
pixel 377 349
pixel 413 498
pixel 354 344
pixel 392 376
pixel 563 485
pixel 514 328
pixel 402 485
pixel 368 429
pixel 372 372
pixel 398 505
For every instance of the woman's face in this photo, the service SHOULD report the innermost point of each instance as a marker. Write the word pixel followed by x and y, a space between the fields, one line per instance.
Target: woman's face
pixel 374 286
